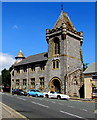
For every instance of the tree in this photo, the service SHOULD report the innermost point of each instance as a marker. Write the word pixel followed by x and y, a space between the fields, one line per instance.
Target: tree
pixel 85 66
pixel 6 78
pixel 0 80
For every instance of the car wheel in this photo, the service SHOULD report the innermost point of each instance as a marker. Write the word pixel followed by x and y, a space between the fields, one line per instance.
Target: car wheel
pixel 36 95
pixel 47 96
pixel 58 97
pixel 28 94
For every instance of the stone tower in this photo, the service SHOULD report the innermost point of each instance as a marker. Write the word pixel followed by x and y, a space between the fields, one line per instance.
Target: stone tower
pixel 64 57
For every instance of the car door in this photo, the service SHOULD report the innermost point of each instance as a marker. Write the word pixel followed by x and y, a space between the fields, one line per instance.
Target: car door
pixel 52 94
pixel 33 92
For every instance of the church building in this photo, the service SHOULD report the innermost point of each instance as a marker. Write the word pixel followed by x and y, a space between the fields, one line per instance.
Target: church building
pixel 59 69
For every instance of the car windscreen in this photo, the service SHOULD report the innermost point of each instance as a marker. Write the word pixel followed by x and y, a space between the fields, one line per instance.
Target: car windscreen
pixel 32 90
pixel 37 91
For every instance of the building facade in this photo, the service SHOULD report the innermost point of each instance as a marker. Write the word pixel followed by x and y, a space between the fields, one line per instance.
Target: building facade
pixel 59 69
pixel 90 81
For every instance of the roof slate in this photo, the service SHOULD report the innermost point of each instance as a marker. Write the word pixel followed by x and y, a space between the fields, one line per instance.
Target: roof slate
pixel 91 69
pixel 33 59
pixel 64 18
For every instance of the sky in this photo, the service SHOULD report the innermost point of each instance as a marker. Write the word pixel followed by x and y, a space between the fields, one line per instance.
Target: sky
pixel 24 27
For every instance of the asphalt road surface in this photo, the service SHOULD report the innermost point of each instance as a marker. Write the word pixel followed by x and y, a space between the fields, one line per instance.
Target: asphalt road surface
pixel 33 107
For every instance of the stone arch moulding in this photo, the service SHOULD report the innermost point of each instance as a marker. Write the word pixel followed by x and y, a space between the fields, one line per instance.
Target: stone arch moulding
pixel 55 84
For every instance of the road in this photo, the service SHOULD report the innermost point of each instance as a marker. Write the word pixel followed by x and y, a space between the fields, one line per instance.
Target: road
pixel 33 107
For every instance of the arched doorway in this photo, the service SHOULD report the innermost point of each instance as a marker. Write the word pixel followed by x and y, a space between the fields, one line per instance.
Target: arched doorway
pixel 55 85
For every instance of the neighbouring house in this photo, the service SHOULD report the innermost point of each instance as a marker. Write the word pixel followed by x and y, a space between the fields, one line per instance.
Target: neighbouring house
pixel 59 69
pixel 90 81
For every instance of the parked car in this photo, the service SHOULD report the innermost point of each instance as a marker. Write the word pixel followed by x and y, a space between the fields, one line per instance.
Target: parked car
pixel 19 92
pixel 34 93
pixel 52 94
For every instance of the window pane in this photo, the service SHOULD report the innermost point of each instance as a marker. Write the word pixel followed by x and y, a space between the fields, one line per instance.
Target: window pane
pixel 57 46
pixel 57 64
pixel 41 82
pixel 53 64
pixel 33 83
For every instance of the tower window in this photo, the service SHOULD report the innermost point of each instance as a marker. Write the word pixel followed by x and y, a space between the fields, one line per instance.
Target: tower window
pixel 55 64
pixel 56 46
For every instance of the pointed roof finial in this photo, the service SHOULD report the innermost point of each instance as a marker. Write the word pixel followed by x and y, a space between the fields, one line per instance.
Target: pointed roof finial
pixel 20 55
pixel 61 6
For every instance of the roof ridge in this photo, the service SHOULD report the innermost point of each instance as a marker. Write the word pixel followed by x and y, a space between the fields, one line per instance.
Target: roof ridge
pixel 31 58
pixel 39 53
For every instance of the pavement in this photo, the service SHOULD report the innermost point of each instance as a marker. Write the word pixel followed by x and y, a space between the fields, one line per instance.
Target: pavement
pixel 83 99
pixel 8 113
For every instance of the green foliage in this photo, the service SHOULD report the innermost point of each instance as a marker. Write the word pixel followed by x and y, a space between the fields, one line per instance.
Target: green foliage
pixel 81 56
pixel 6 78
pixel 85 66
pixel 0 80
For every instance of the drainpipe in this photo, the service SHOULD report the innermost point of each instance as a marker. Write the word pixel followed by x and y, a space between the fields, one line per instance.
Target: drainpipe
pixel 27 79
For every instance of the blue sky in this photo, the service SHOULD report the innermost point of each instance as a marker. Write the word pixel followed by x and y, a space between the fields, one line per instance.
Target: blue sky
pixel 25 23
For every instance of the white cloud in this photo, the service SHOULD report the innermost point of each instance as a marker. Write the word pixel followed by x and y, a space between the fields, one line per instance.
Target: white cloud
pixel 6 61
pixel 15 27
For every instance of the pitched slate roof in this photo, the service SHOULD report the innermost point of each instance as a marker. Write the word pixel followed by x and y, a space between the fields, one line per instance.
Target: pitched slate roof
pixel 91 69
pixel 33 59
pixel 64 18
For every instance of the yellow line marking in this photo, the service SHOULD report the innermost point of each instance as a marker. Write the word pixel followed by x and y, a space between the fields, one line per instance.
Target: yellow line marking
pixel 10 110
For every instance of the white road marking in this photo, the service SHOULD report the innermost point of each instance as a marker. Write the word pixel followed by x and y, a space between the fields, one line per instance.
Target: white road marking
pixel 21 98
pixel 40 104
pixel 73 115
pixel 53 102
pixel 60 104
pixel 34 102
pixel 71 106
pixel 84 109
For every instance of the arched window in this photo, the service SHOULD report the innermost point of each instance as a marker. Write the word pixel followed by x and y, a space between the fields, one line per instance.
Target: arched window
pixel 56 46
pixel 55 64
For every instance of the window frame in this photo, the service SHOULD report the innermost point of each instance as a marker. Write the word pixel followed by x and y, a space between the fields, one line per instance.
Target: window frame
pixel 56 46
pixel 42 84
pixel 32 80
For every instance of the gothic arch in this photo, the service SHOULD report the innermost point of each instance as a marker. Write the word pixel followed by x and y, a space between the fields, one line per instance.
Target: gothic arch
pixel 55 84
